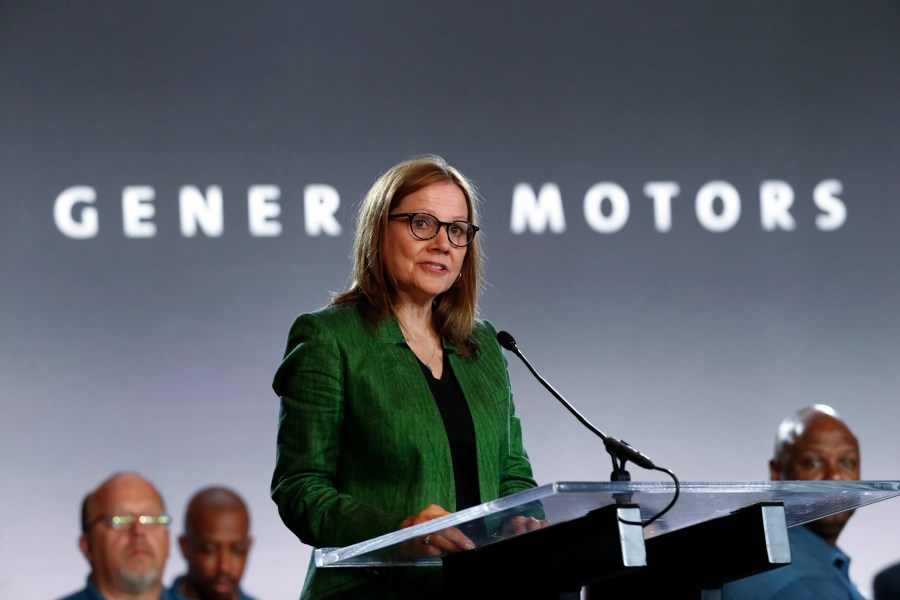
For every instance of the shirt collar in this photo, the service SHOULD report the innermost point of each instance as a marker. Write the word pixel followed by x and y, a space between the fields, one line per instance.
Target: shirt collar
pixel 92 591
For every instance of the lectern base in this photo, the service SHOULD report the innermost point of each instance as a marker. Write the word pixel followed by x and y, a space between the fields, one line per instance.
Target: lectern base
pixel 554 562
pixel 695 562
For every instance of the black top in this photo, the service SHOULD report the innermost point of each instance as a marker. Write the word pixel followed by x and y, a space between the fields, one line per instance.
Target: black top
pixel 460 433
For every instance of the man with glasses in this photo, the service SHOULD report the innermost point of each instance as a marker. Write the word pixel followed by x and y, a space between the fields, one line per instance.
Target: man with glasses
pixel 125 538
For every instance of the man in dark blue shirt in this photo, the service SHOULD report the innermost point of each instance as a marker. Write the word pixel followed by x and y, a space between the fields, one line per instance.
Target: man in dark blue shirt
pixel 812 444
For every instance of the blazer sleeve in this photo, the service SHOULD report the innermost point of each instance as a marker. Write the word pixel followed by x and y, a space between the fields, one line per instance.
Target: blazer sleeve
pixel 311 382
pixel 517 475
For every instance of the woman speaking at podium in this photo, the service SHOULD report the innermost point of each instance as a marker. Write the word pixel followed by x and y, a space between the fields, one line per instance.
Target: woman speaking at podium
pixel 396 405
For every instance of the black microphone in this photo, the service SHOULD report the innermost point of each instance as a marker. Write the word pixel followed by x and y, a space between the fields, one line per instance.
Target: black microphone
pixel 616 448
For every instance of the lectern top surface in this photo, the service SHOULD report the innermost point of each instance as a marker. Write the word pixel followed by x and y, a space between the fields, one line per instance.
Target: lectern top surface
pixel 700 501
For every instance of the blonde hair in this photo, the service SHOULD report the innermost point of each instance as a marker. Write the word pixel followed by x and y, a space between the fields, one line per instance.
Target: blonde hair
pixel 455 310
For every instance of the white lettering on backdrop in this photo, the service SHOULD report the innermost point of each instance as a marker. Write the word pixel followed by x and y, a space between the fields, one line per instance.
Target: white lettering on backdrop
pixel 76 215
pixel 717 206
pixel 137 210
pixel 263 210
pixel 536 212
pixel 85 224
pixel 606 207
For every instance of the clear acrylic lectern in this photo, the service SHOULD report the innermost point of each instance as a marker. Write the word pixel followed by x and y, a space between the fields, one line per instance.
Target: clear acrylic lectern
pixel 716 532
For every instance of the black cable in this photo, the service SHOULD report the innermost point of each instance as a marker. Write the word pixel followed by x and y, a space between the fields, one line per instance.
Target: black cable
pixel 671 502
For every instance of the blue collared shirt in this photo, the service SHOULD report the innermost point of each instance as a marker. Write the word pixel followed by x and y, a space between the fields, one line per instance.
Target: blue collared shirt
pixel 90 592
pixel 817 572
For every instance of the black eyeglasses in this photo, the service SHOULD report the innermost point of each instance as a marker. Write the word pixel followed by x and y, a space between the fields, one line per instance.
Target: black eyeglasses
pixel 425 227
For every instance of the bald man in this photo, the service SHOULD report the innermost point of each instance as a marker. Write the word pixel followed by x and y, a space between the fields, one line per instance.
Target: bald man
pixel 215 544
pixel 125 538
pixel 812 444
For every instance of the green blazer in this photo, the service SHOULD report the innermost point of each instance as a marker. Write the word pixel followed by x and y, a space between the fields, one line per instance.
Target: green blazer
pixel 361 443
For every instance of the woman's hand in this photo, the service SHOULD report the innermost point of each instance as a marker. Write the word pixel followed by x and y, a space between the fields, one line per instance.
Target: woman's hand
pixel 518 525
pixel 445 541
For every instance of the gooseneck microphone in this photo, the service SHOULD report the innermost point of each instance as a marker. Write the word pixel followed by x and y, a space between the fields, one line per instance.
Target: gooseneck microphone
pixel 617 449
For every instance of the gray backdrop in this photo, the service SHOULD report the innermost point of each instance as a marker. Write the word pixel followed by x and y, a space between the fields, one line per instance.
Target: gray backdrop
pixel 691 337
